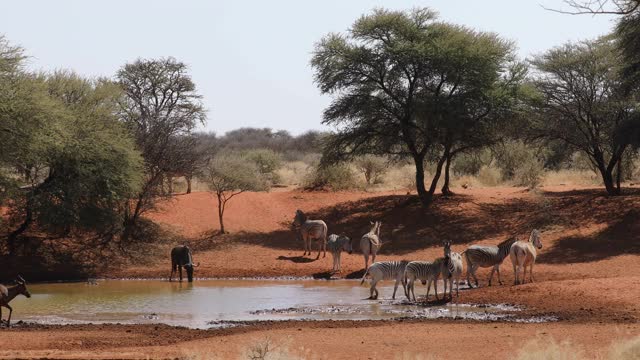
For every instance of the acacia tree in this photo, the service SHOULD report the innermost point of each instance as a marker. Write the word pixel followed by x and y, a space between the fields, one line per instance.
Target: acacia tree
pixel 160 105
pixel 229 175
pixel 394 86
pixel 582 103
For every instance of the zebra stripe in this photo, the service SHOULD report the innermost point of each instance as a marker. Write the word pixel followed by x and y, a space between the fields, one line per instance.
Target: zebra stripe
pixel 424 271
pixel 487 256
pixel 337 244
pixel 385 270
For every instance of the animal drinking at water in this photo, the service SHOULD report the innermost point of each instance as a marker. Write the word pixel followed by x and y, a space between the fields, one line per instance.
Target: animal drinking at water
pixel 9 293
pixel 181 257
pixel 310 230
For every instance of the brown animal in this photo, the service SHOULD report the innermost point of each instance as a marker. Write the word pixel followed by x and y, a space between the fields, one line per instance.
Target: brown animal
pixel 9 293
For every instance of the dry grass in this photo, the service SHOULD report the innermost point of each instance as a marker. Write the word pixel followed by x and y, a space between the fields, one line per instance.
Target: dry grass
pixel 571 178
pixel 293 173
pixel 549 349
pixel 259 349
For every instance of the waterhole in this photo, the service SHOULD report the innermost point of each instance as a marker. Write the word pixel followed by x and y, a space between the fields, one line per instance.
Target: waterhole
pixel 212 303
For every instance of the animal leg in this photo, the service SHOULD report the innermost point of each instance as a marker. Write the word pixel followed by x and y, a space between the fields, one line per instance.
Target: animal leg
pixel 372 289
pixel 531 272
pixel 395 288
pixel 180 269
pixel 366 261
pixel 493 269
pixel 10 312
pixel 473 273
pixel 498 271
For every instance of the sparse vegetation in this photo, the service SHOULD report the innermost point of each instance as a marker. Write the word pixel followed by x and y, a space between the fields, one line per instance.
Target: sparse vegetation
pixel 334 177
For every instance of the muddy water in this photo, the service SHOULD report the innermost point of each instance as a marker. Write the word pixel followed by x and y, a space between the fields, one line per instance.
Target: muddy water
pixel 208 303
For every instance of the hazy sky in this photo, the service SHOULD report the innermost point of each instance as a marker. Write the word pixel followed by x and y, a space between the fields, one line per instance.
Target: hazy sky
pixel 250 59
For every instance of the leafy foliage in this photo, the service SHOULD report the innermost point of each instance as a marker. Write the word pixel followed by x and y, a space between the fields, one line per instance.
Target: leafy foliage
pixel 230 174
pixel 580 101
pixel 408 86
pixel 161 107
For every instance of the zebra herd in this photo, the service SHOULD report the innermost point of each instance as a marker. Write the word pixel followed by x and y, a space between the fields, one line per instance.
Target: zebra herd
pixel 450 266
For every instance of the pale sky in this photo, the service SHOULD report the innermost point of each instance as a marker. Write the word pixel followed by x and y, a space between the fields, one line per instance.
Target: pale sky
pixel 250 59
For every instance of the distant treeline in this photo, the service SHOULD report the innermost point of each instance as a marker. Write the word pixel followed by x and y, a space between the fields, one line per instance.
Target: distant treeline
pixel 291 147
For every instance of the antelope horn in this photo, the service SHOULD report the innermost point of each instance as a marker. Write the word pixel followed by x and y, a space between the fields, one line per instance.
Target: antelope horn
pixel 22 281
pixel 196 265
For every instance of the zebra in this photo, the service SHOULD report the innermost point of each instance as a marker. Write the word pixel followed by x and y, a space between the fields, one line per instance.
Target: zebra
pixel 337 244
pixel 385 270
pixel 181 257
pixel 451 269
pixel 523 254
pixel 486 256
pixel 311 230
pixel 425 271
pixel 370 243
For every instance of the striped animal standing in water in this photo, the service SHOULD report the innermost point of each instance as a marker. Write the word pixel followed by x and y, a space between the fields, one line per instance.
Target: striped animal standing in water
pixel 385 270
pixel 426 272
pixel 181 257
pixel 451 269
pixel 370 243
pixel 337 244
pixel 523 254
pixel 310 230
pixel 9 293
pixel 486 256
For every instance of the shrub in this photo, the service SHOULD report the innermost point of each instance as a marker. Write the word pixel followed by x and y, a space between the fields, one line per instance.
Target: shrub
pixel 489 176
pixel 335 177
pixel 372 167
pixel 267 161
pixel 512 155
pixel 470 163
pixel 529 173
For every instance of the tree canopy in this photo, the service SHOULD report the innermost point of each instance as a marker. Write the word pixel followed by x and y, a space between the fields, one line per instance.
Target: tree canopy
pixel 404 84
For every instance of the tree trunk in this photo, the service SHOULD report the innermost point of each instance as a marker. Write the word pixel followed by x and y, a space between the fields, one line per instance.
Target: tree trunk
pixel 445 188
pixel 221 212
pixel 436 177
pixel 188 178
pixel 607 178
pixel 424 197
pixel 619 174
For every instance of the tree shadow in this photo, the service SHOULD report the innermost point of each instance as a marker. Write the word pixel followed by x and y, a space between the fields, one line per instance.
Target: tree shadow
pixel 407 226
pixel 297 259
pixel 358 274
pixel 622 237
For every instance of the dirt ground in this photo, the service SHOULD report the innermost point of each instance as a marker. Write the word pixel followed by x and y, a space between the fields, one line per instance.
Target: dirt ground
pixel 586 274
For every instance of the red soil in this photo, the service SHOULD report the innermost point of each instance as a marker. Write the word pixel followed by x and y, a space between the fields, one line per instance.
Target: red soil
pixel 586 273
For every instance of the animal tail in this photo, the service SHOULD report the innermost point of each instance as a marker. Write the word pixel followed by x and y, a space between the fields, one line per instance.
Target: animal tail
pixel 364 276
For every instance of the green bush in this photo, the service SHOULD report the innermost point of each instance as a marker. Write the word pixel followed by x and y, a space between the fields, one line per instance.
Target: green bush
pixel 470 163
pixel 529 173
pixel 517 159
pixel 489 176
pixel 267 161
pixel 335 177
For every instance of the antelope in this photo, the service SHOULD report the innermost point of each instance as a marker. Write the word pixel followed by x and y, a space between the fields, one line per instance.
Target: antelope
pixel 9 293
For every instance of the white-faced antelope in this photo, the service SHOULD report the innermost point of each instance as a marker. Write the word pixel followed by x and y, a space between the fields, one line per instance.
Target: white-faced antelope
pixel 370 243
pixel 523 254
pixel 9 293
pixel 310 230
